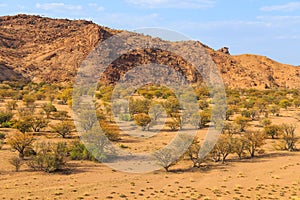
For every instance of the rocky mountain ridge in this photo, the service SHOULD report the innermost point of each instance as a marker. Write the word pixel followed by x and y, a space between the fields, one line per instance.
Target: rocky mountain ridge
pixel 41 49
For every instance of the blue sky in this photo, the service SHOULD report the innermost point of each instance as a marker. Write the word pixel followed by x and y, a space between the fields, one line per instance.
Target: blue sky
pixel 268 27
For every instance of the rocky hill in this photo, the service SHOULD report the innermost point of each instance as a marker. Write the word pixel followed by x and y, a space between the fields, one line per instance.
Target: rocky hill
pixel 39 49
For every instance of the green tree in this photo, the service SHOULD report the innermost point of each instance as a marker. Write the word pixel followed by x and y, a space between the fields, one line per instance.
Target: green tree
pixel 63 128
pixel 139 106
pixel 285 103
pixel 296 102
pixel 5 116
pixel 21 142
pixel 254 139
pixel 224 147
pixel 174 124
pixel 261 104
pixel 48 108
pixel 29 100
pixel 171 106
pixel 65 95
pixel 272 130
pixel 265 122
pixel 242 122
pixel 49 157
pixel 142 120
pixel 156 111
pixel 38 123
pixel 24 125
pixel 11 105
pixel 193 153
pixel 289 136
pixel 230 128
pixel 239 146
pixel 229 113
pixel 200 119
pixel 274 109
pixel 110 130
pixel 254 114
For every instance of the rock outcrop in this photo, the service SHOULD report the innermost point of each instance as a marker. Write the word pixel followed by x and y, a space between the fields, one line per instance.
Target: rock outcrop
pixel 40 49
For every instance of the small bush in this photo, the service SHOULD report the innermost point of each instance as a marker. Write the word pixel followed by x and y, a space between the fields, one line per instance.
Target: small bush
pixel 50 157
pixel 5 117
pixel 16 162
pixel 7 124
pixel 78 151
pixel 2 136
pixel 125 117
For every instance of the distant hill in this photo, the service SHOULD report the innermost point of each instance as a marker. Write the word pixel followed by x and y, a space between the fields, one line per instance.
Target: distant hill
pixel 40 49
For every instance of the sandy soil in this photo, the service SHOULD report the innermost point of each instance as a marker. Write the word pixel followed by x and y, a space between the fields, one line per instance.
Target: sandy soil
pixel 273 175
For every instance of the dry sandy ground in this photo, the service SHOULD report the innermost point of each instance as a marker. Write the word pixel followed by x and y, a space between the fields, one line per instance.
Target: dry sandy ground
pixel 274 175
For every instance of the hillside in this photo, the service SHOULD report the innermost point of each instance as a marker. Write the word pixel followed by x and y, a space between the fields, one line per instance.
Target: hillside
pixel 41 49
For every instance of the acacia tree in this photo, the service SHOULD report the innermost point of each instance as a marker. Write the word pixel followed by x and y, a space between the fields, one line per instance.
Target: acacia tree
pixel 38 123
pixel 242 122
pixel 49 157
pixel 272 130
pixel 254 140
pixel 193 152
pixel 24 125
pixel 230 128
pixel 289 136
pixel 200 120
pixel 285 103
pixel 274 109
pixel 28 100
pixel 223 147
pixel 166 158
pixel 171 105
pixel 142 120
pixel 174 124
pixel 239 146
pixel 21 142
pixel 63 128
pixel 16 162
pixel 11 105
pixel 48 108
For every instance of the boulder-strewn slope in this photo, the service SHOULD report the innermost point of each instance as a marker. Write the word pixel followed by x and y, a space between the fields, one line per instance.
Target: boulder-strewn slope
pixel 51 50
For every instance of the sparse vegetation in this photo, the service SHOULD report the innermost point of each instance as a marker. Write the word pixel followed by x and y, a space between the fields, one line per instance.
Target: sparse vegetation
pixel 16 162
pixel 21 142
pixel 289 137
pixel 166 158
pixel 63 128
pixel 49 157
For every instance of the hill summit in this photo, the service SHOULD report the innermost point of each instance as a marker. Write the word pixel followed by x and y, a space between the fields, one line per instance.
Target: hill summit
pixel 40 49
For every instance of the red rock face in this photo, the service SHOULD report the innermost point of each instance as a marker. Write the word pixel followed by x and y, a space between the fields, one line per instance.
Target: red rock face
pixel 41 49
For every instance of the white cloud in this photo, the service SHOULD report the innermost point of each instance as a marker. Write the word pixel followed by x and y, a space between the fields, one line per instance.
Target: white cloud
pixel 96 6
pixel 280 21
pixel 188 4
pixel 292 6
pixel 58 6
